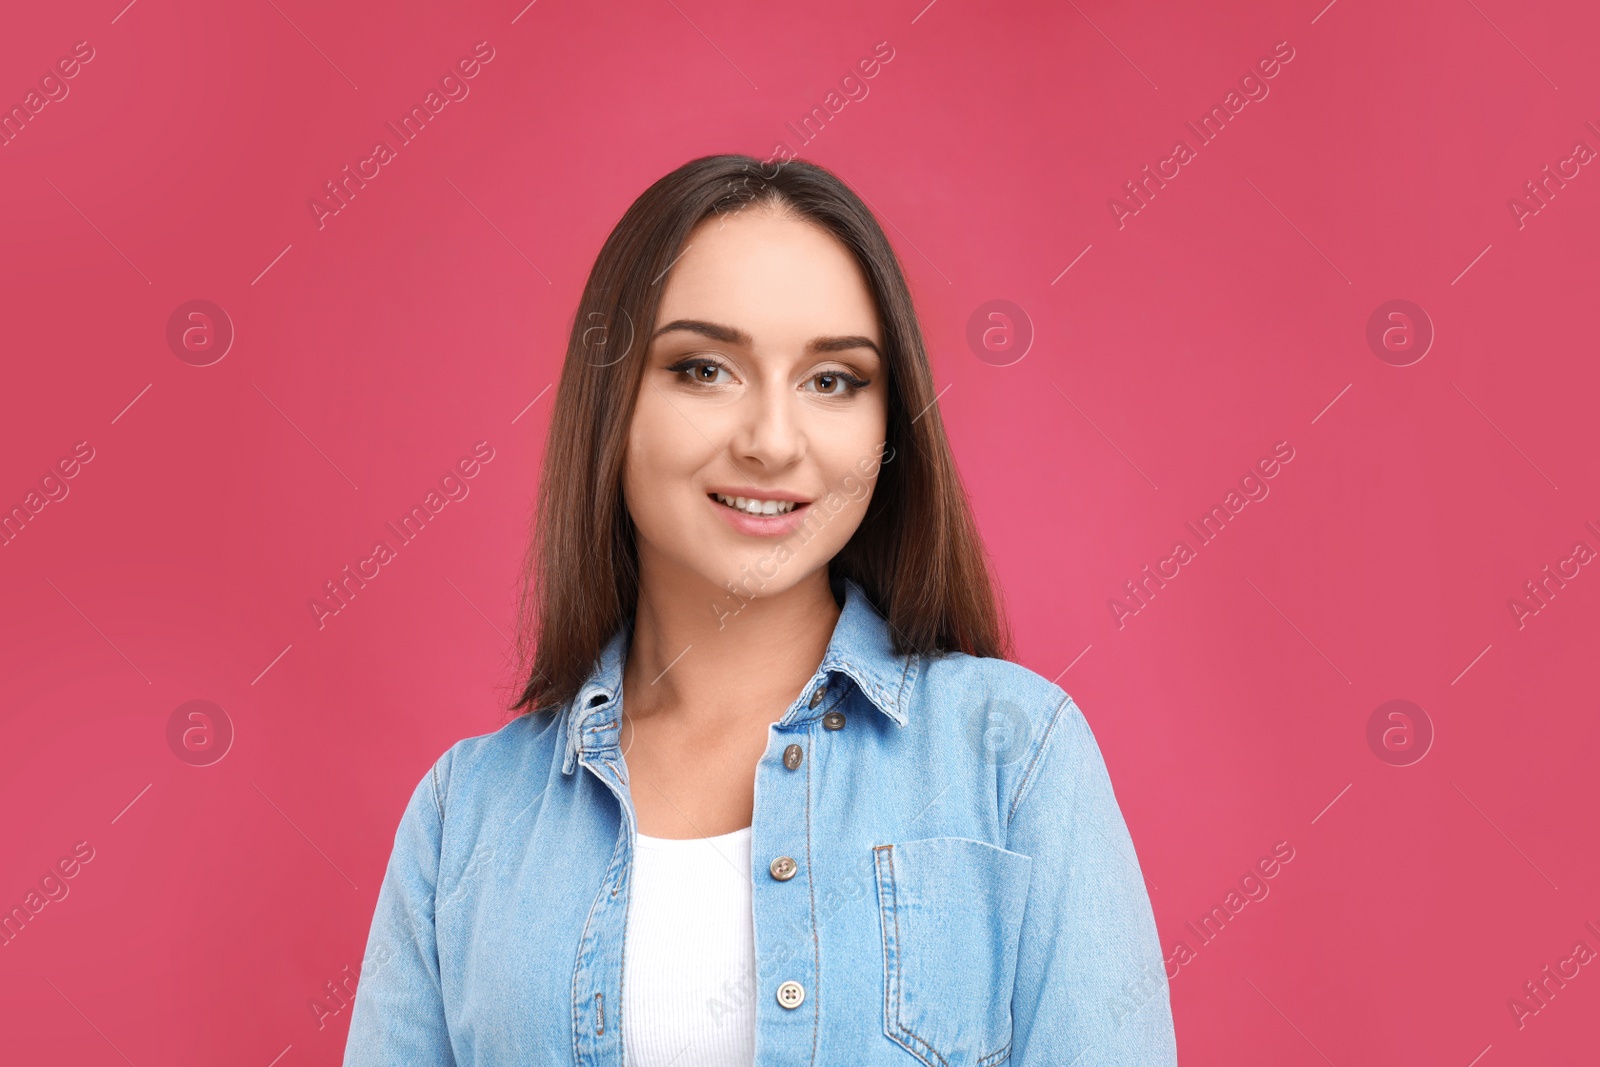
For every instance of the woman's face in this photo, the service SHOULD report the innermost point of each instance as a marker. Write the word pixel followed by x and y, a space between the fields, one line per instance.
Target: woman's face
pixel 759 426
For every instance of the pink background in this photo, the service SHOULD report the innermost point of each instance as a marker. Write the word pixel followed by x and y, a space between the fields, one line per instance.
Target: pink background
pixel 1228 315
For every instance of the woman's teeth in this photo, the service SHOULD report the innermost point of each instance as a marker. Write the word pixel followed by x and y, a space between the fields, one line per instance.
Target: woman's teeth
pixel 751 506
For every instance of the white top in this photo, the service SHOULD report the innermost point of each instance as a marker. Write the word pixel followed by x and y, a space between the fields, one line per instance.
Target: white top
pixel 689 979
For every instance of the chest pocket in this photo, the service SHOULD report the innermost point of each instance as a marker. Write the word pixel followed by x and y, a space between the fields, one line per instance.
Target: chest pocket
pixel 951 911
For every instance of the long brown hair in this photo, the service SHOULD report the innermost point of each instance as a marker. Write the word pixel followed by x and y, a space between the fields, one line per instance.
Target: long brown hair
pixel 916 555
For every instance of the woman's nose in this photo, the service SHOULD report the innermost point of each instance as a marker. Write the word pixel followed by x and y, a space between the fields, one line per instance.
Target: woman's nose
pixel 770 430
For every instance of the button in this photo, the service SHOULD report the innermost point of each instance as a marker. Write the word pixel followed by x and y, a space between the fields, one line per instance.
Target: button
pixel 791 994
pixel 792 756
pixel 816 697
pixel 834 720
pixel 783 868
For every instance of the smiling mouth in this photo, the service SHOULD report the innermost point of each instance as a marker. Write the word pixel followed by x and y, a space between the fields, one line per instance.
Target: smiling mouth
pixel 752 506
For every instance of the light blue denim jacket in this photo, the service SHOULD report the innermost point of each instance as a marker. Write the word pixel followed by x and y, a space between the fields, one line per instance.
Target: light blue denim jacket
pixel 966 893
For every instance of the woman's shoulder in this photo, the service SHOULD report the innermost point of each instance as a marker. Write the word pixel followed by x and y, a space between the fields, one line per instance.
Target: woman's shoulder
pixel 474 769
pixel 986 681
pixel 1016 716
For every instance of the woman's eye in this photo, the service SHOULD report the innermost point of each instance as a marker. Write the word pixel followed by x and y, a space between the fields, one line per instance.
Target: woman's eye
pixel 702 371
pixel 837 383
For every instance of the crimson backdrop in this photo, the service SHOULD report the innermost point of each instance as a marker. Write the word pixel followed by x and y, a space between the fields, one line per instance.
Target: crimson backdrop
pixel 1440 461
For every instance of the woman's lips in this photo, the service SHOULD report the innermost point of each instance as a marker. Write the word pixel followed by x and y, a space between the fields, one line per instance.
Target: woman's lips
pixel 759 525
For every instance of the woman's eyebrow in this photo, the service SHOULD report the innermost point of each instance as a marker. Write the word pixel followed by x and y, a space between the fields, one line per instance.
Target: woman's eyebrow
pixel 842 344
pixel 730 335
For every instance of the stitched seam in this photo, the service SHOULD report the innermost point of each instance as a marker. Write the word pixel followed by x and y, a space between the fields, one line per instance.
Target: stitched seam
pixel 622 963
pixel 1044 746
pixel 583 938
pixel 816 943
pixel 829 703
pixel 920 1040
pixel 868 686
pixel 990 1059
pixel 869 689
pixel 885 915
pixel 904 676
pixel 902 1031
pixel 967 841
pixel 998 1056
pixel 437 803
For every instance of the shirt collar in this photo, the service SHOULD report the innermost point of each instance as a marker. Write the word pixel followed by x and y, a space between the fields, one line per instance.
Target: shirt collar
pixel 861 649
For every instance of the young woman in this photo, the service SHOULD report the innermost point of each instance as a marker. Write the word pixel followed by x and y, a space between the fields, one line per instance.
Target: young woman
pixel 775 797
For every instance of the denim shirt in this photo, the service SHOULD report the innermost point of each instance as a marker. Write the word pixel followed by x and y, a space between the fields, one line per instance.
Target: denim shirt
pixel 963 892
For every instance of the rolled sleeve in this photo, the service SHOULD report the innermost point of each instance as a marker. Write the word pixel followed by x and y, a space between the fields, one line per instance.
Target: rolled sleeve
pixel 1091 987
pixel 398 1019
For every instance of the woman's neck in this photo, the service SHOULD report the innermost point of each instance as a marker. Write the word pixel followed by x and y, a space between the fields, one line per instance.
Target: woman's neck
pixel 693 658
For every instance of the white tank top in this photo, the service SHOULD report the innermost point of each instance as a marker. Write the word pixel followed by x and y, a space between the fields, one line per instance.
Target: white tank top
pixel 689 984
